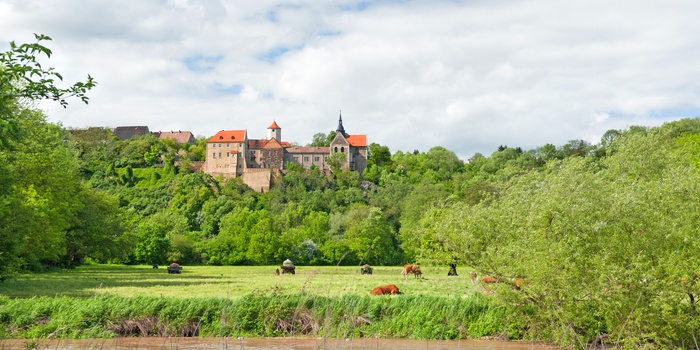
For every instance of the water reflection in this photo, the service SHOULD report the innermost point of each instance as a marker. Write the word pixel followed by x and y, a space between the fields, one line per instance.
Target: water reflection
pixel 267 343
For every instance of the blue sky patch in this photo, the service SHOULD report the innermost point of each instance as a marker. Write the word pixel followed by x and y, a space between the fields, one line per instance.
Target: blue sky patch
pixel 365 4
pixel 273 54
pixel 201 63
pixel 678 111
pixel 234 89
pixel 663 113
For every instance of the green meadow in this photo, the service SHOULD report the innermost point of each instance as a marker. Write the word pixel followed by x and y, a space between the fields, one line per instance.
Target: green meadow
pixel 105 301
pixel 230 282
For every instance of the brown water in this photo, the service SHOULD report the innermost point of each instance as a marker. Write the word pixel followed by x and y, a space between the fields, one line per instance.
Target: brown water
pixel 268 343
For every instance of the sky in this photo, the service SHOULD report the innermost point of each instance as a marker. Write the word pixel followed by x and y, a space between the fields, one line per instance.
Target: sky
pixel 465 75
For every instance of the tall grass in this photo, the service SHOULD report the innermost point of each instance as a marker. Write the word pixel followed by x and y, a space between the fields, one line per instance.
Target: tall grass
pixel 270 314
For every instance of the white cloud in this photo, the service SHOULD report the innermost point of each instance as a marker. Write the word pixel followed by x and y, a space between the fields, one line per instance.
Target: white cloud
pixel 469 76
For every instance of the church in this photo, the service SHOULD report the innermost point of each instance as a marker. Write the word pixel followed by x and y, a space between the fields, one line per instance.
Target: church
pixel 230 153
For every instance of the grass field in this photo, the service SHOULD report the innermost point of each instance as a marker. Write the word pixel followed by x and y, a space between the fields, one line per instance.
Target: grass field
pixel 231 281
pixel 105 301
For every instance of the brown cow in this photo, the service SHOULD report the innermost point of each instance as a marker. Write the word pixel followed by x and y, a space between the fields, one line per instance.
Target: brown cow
pixel 414 269
pixel 388 289
pixel 489 279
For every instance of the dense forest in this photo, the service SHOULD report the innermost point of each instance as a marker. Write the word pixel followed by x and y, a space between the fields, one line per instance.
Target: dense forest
pixel 604 236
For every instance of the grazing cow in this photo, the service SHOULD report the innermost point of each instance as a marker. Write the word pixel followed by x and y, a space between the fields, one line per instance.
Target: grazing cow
pixel 474 277
pixel 414 269
pixel 388 289
pixel 453 270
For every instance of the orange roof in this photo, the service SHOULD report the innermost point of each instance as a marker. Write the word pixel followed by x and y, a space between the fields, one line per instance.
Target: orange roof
pixel 228 136
pixel 357 140
pixel 274 125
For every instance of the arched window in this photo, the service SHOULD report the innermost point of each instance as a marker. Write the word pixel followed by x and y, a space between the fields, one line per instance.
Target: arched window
pixel 336 149
pixel 342 149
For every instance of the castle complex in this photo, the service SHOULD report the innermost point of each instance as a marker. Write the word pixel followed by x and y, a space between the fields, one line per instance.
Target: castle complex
pixel 231 154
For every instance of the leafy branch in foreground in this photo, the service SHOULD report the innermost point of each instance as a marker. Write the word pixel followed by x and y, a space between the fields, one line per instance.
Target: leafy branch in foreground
pixel 22 76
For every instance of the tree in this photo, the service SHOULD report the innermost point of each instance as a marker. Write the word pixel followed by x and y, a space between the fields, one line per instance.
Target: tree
pixel 38 173
pixel 336 161
pixel 379 155
pixel 322 140
pixel 97 231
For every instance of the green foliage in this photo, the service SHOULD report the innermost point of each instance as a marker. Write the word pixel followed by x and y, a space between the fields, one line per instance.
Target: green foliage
pixel 40 187
pixel 322 140
pixel 604 246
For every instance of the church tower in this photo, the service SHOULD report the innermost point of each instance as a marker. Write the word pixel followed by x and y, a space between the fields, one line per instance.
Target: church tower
pixel 340 128
pixel 274 131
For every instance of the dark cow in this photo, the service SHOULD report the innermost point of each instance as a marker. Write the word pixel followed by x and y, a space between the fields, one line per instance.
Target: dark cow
pixel 453 270
pixel 390 289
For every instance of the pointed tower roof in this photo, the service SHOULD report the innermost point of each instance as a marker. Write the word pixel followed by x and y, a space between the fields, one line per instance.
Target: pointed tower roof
pixel 340 128
pixel 274 125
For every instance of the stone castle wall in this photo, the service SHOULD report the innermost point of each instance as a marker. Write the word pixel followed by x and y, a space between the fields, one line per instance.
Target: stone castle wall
pixel 257 178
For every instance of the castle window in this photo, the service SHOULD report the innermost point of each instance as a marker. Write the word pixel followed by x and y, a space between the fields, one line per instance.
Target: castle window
pixel 228 145
pixel 213 145
pixel 213 154
pixel 336 149
pixel 228 154
pixel 306 159
pixel 342 149
pixel 296 159
pixel 219 154
pixel 316 159
pixel 220 145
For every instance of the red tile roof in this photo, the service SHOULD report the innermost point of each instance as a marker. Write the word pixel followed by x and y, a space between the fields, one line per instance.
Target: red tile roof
pixel 357 140
pixel 228 136
pixel 274 125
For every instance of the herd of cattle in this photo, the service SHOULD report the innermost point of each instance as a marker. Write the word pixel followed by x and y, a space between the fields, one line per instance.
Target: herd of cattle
pixel 414 269
pixel 392 289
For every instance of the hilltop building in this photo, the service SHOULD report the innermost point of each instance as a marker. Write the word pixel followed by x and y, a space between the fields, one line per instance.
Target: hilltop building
pixel 181 137
pixel 231 154
pixel 127 132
